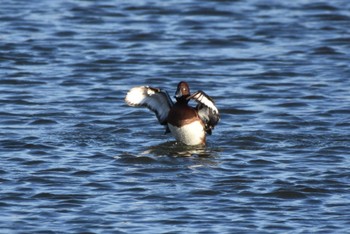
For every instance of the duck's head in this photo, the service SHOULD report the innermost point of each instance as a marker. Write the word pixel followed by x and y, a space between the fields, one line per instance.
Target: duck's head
pixel 182 91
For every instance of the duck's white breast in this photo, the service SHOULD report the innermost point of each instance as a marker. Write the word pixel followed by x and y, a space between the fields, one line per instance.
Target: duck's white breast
pixel 189 134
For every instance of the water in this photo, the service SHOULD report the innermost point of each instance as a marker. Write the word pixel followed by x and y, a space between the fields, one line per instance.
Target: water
pixel 75 158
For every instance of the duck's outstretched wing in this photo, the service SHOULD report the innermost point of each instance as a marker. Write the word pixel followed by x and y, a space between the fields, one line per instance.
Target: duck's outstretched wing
pixel 207 110
pixel 154 99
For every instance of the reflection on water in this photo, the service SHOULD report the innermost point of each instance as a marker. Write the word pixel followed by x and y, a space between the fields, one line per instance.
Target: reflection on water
pixel 175 149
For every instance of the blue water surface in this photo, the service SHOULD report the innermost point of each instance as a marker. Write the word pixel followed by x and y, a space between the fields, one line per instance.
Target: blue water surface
pixel 76 159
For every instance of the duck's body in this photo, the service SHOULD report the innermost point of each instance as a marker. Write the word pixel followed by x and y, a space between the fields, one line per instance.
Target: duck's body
pixel 187 124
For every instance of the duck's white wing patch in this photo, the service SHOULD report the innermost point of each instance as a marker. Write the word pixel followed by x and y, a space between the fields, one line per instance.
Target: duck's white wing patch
pixel 207 110
pixel 154 99
pixel 204 99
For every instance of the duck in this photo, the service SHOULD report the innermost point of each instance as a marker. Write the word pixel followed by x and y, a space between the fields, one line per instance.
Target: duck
pixel 189 125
